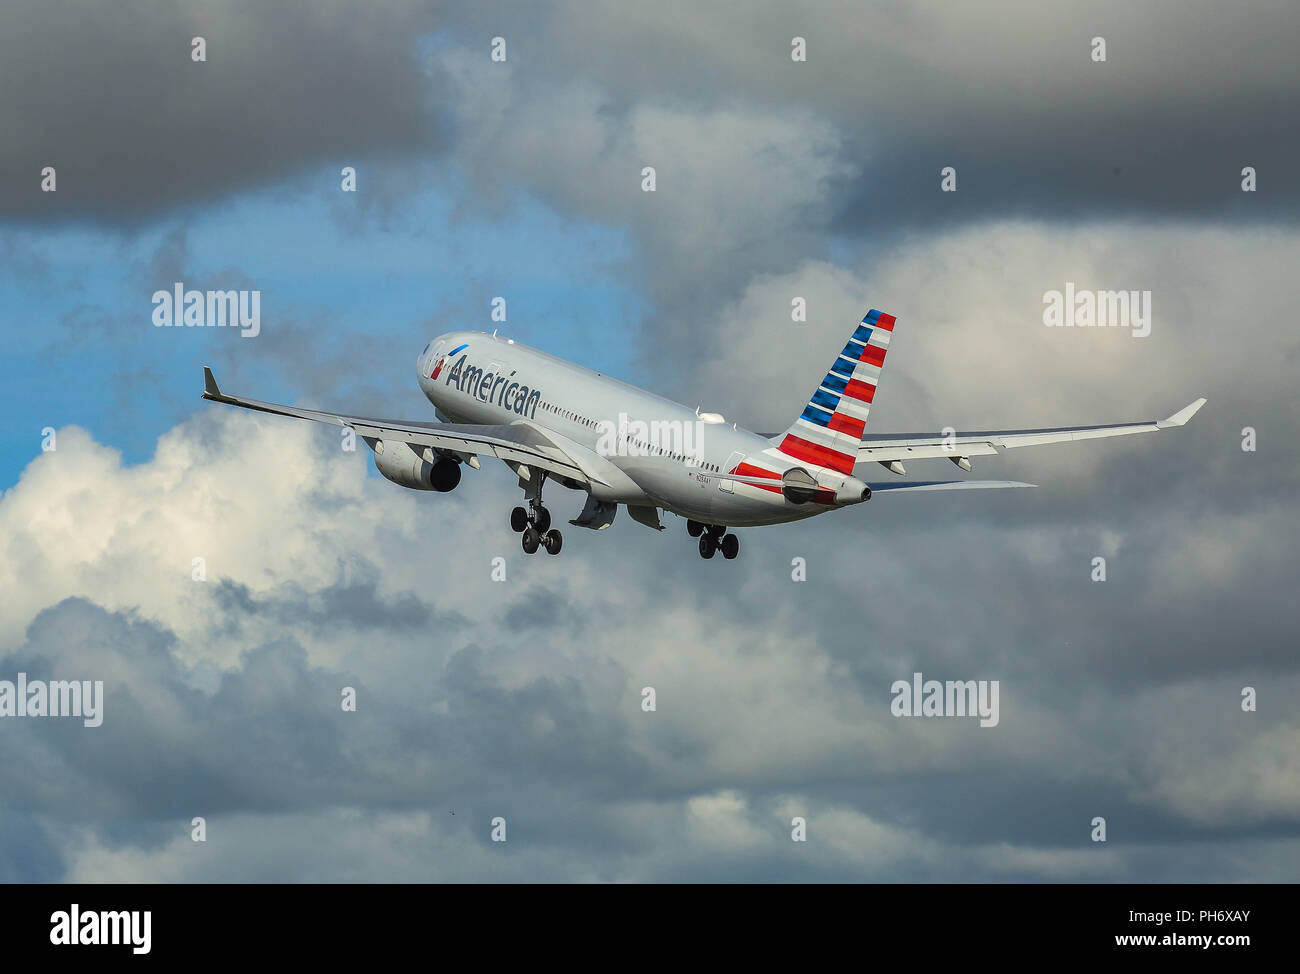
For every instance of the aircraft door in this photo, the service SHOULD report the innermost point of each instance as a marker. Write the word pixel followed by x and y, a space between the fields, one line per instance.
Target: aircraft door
pixel 729 486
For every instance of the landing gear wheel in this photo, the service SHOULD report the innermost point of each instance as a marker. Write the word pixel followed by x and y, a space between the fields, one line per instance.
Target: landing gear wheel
pixel 730 546
pixel 541 519
pixel 707 546
pixel 531 539
pixel 553 542
pixel 717 530
pixel 694 528
pixel 518 520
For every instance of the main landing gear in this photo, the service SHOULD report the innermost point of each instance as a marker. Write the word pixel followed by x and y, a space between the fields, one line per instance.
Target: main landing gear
pixel 713 538
pixel 534 523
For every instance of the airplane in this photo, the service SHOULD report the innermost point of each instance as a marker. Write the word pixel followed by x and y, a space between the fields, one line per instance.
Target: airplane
pixel 549 419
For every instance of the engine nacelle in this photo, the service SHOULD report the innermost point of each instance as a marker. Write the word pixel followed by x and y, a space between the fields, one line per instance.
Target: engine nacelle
pixel 798 486
pixel 403 464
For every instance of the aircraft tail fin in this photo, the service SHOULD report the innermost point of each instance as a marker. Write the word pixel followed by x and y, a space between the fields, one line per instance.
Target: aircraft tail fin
pixel 829 430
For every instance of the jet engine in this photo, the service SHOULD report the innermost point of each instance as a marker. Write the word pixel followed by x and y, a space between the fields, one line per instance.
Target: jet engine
pixel 407 466
pixel 798 486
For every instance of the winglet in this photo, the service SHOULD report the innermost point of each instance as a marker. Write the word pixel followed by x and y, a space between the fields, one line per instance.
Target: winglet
pixel 1182 416
pixel 210 390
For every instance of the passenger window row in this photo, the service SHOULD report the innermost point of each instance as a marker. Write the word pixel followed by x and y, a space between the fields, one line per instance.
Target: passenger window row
pixel 569 414
pixel 648 448
pixel 660 452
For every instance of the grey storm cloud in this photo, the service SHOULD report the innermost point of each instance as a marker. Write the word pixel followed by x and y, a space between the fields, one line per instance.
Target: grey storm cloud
pixel 109 96
pixel 272 736
pixel 355 604
pixel 1007 93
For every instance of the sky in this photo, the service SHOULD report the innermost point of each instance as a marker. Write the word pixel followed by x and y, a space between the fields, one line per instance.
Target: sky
pixel 521 699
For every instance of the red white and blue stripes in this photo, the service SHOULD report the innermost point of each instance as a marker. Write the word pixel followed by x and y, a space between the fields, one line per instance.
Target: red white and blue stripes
pixel 829 431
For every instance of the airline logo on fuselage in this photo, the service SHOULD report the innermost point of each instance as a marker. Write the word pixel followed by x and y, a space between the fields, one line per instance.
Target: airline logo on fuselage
pixel 438 368
pixel 491 387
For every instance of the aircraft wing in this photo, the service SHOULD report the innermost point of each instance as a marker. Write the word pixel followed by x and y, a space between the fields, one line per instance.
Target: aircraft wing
pixel 518 442
pixel 889 447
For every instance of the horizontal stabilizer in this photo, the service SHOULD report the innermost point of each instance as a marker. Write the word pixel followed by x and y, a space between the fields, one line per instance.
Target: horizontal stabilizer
pixel 946 485
pixel 888 447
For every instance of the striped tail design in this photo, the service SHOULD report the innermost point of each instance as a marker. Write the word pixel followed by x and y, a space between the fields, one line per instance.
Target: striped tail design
pixel 829 430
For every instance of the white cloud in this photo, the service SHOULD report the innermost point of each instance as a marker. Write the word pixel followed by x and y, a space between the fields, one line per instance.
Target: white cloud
pixel 764 686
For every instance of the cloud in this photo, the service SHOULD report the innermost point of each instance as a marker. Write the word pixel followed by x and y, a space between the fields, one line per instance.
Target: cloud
pixel 726 175
pixel 223 696
pixel 112 100
pixel 765 166
pixel 1007 93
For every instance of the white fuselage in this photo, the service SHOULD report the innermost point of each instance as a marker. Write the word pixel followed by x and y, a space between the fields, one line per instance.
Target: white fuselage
pixel 649 451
